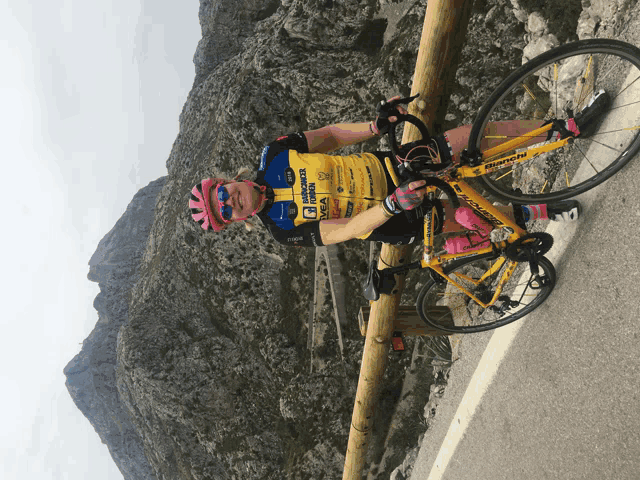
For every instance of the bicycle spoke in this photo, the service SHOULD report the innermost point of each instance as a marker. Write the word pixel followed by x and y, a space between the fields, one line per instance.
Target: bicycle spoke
pixel 605 145
pixel 555 82
pixel 625 88
pixel 626 105
pixel 534 98
pixel 587 160
pixel 510 172
pixel 583 81
pixel 604 77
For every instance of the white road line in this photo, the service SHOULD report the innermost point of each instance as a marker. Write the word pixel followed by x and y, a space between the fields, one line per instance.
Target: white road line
pixel 493 355
pixel 496 349
pixel 482 377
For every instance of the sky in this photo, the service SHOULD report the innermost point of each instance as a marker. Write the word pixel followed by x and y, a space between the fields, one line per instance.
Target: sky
pixel 90 95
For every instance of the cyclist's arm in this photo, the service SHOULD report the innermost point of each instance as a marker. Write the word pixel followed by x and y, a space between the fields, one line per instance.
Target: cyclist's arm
pixel 343 229
pixel 406 197
pixel 334 137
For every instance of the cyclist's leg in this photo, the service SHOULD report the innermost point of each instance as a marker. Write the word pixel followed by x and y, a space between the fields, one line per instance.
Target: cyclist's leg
pixel 568 210
pixel 495 133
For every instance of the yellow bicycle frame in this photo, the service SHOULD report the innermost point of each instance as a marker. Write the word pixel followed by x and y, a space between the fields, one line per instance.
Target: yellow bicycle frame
pixel 491 162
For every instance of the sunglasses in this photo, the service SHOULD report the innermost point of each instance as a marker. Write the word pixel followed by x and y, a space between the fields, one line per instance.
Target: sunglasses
pixel 225 210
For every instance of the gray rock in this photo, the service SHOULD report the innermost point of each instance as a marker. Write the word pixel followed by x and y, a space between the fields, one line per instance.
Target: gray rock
pixel 539 45
pixel 537 25
pixel 587 25
pixel 520 14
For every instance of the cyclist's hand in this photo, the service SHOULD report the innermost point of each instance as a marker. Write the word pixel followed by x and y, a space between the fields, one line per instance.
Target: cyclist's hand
pixel 406 197
pixel 386 116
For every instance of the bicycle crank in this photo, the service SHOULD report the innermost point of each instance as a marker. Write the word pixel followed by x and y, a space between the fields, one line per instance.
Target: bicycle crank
pixel 531 245
pixel 530 248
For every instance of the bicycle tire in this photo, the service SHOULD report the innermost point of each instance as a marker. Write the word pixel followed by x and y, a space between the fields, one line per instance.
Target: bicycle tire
pixel 444 306
pixel 535 92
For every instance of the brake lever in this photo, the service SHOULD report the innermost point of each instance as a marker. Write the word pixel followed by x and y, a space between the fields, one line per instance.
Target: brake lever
pixel 407 100
pixel 387 108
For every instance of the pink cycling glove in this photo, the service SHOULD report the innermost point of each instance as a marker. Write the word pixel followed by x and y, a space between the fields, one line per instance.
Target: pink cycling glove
pixel 404 198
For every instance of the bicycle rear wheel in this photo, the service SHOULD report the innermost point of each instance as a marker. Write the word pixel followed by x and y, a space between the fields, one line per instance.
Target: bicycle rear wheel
pixel 556 85
pixel 446 307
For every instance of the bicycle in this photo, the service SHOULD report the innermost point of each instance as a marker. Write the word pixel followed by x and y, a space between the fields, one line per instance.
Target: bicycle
pixel 490 287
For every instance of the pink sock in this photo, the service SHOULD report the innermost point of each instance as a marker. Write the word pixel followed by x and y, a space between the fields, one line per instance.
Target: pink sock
pixel 572 127
pixel 535 212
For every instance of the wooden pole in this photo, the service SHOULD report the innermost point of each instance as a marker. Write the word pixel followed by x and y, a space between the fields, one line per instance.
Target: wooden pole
pixel 443 35
pixel 408 322
pixel 374 363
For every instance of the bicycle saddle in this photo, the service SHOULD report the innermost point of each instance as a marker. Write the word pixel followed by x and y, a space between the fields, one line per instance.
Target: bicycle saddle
pixel 377 282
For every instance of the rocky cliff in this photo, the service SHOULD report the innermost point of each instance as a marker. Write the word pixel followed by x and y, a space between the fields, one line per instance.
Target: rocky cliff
pixel 198 366
pixel 91 375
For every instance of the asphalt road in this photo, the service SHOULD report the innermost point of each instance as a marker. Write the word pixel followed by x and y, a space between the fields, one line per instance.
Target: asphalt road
pixel 565 400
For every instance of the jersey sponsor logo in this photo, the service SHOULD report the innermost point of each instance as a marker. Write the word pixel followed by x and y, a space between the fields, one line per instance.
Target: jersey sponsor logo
pixel 290 176
pixel 349 211
pixel 335 211
pixel 263 158
pixel 352 183
pixel 324 176
pixel 361 173
pixel 339 175
pixel 324 209
pixel 294 239
pixel 313 239
pixel 310 213
pixel 307 190
pixel 293 211
pixel 370 181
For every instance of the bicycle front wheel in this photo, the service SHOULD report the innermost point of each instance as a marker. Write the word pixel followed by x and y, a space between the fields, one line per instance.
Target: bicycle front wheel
pixel 446 307
pixel 557 85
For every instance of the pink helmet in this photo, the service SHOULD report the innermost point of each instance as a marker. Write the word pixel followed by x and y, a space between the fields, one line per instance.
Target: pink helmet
pixel 199 203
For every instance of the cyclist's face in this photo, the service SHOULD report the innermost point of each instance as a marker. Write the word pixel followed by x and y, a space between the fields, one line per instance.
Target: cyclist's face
pixel 241 201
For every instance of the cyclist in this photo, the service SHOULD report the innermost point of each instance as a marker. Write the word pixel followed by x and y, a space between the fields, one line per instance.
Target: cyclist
pixel 305 197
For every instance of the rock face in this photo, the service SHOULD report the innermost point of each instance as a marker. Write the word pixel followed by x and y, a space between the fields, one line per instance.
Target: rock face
pixel 198 367
pixel 91 375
